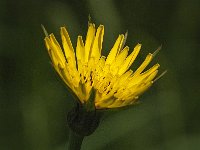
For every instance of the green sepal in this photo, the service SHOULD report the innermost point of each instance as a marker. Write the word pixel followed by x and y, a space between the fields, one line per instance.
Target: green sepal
pixel 83 122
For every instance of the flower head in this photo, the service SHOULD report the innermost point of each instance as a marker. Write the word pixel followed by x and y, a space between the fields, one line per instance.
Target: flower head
pixel 108 80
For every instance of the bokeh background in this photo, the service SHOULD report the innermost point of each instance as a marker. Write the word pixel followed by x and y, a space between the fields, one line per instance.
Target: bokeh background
pixel 34 102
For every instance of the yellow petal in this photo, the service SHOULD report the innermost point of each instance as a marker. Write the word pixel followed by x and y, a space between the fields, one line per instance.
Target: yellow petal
pixel 151 76
pixel 117 103
pixel 64 74
pixel 80 50
pixel 89 40
pixel 97 45
pixel 143 65
pixel 55 49
pixel 140 78
pixel 115 50
pixel 105 103
pixel 121 57
pixel 143 88
pixel 129 60
pixel 122 79
pixel 67 45
pixel 119 60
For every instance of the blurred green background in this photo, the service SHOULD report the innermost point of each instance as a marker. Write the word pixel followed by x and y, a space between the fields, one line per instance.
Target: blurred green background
pixel 34 102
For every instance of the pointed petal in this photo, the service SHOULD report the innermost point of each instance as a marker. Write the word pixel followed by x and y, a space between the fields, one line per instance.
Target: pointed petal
pixel 143 88
pixel 142 77
pixel 143 65
pixel 151 76
pixel 97 45
pixel 67 45
pixel 115 50
pixel 89 40
pixel 55 48
pixel 129 60
pixel 80 49
pixel 121 57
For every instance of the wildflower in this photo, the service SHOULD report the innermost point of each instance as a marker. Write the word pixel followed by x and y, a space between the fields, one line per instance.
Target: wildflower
pixel 108 81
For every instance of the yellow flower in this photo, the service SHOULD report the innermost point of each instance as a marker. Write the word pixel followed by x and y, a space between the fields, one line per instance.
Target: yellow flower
pixel 109 78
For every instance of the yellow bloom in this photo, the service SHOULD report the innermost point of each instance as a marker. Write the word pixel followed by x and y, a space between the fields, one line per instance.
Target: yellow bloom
pixel 86 70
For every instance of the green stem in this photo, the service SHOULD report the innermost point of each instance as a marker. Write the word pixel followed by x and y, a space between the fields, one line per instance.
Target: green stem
pixel 75 141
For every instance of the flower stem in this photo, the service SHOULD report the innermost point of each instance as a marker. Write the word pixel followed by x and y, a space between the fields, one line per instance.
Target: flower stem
pixel 75 141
